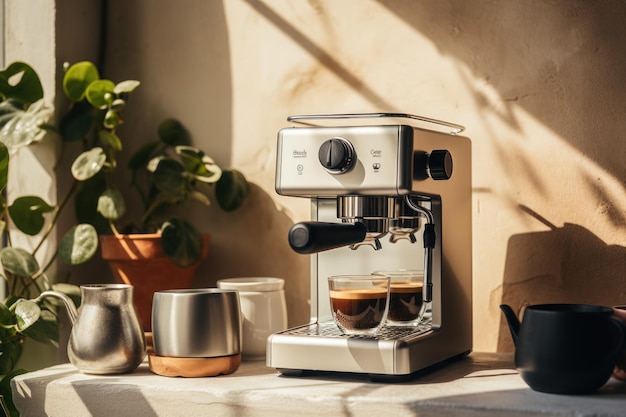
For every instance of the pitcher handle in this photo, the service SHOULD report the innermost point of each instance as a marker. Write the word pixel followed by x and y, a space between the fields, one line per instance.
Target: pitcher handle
pixel 72 312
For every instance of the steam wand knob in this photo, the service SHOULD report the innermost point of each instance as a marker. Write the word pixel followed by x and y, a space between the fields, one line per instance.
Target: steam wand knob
pixel 436 165
pixel 440 164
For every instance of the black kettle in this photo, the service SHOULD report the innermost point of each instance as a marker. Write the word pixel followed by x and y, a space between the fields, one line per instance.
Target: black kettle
pixel 566 348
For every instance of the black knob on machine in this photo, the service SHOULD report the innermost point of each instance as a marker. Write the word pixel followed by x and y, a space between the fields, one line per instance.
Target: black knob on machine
pixel 337 155
pixel 440 164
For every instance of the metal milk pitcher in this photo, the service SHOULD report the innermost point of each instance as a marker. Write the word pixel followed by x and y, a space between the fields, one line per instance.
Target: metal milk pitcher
pixel 106 337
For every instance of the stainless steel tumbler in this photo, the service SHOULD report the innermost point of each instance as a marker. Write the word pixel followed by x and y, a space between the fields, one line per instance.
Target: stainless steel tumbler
pixel 196 323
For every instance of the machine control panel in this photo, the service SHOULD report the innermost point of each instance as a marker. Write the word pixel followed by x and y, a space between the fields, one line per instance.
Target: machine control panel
pixel 331 161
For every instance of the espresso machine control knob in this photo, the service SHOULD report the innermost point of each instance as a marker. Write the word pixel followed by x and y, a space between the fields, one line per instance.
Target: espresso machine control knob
pixel 440 164
pixel 337 155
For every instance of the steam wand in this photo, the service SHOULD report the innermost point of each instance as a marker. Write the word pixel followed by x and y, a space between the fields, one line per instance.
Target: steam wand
pixel 429 243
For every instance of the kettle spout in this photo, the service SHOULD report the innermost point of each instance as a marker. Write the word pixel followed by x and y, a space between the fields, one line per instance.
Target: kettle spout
pixel 512 320
pixel 72 312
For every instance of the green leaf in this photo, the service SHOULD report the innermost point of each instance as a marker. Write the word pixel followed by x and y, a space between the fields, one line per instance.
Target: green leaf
pixel 77 122
pixel 86 203
pixel 6 317
pixel 6 392
pixel 18 262
pixel 202 166
pixel 110 140
pixel 200 197
pixel 79 244
pixel 27 313
pixel 127 86
pixel 141 157
pixel 181 243
pixel 10 352
pixel 27 214
pixel 88 164
pixel 231 190
pixel 20 82
pixel 173 133
pixel 4 166
pixel 111 204
pixel 10 300
pixel 45 329
pixel 118 104
pixel 168 177
pixel 22 127
pixel 77 78
pixel 100 93
pixel 111 119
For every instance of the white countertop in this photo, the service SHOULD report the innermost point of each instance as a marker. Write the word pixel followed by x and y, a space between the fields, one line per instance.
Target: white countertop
pixel 482 384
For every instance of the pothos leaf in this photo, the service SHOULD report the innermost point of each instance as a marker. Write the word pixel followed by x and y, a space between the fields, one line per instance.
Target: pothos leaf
pixel 45 329
pixel 79 244
pixel 20 81
pixel 18 262
pixel 88 164
pixel 27 213
pixel 181 242
pixel 27 313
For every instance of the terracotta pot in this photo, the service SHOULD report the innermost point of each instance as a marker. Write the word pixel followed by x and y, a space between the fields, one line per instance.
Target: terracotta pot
pixel 138 260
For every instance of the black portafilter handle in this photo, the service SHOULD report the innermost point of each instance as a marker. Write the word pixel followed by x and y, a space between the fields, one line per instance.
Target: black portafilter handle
pixel 313 237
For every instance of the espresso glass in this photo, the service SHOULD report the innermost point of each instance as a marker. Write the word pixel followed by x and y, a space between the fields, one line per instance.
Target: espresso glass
pixel 406 306
pixel 359 303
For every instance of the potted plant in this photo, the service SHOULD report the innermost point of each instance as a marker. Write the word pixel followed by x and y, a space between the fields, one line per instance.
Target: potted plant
pixel 23 117
pixel 167 172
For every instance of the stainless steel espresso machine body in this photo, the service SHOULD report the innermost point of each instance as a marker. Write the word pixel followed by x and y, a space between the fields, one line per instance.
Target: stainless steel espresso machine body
pixel 385 195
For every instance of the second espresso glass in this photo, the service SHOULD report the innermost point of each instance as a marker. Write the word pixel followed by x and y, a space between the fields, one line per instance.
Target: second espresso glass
pixel 359 303
pixel 406 307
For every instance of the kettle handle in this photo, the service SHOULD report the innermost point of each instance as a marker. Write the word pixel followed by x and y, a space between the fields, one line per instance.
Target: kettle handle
pixel 72 312
pixel 512 320
pixel 622 345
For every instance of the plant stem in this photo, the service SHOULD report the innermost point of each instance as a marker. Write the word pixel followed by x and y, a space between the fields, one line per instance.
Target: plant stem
pixel 113 228
pixel 48 265
pixel 55 218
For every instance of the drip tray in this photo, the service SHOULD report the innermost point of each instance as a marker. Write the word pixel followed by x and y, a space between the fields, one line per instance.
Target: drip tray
pixel 395 350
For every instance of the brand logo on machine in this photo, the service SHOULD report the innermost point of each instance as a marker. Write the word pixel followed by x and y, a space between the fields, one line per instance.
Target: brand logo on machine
pixel 376 153
pixel 299 154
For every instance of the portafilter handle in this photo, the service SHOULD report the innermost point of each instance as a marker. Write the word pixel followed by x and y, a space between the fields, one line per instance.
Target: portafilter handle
pixel 313 237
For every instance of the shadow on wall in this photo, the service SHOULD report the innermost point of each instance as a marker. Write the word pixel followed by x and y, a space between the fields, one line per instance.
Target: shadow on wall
pixel 566 264
pixel 561 61
pixel 252 242
pixel 333 64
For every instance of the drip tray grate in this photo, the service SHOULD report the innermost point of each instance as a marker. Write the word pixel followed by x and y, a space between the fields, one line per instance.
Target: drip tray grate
pixel 330 329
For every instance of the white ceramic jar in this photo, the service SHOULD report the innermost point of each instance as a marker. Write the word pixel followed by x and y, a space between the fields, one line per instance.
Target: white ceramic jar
pixel 263 308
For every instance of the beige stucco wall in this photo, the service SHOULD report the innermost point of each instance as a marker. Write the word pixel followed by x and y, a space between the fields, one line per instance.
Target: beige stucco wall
pixel 539 86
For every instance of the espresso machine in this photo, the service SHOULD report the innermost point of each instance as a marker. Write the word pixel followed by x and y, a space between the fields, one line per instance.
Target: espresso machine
pixel 386 194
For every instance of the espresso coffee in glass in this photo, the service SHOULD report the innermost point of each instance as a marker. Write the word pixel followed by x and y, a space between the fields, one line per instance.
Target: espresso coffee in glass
pixel 359 303
pixel 405 297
